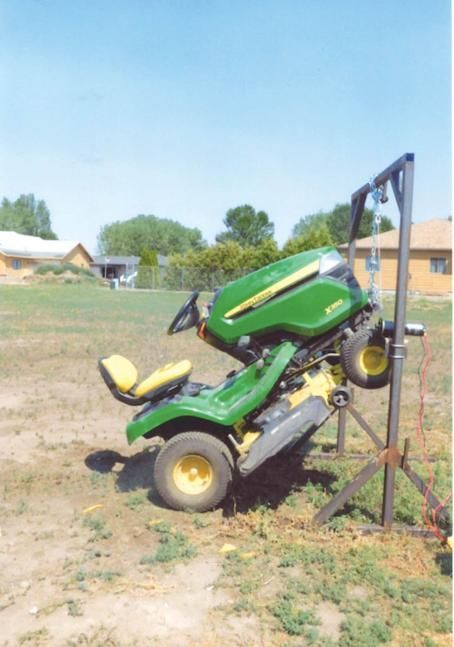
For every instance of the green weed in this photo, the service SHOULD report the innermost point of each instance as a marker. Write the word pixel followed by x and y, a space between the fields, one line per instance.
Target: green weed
pixel 21 507
pixel 74 608
pixel 97 479
pixel 173 546
pixel 83 576
pixel 429 643
pixel 362 632
pixel 291 501
pixel 199 521
pixel 38 637
pixel 292 554
pixel 136 500
pixel 98 526
pixel 315 494
pixel 80 575
pixel 233 566
pixel 163 528
pixel 104 576
pixel 243 605
pixel 294 620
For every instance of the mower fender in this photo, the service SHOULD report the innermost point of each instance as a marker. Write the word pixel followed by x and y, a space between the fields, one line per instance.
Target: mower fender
pixel 222 405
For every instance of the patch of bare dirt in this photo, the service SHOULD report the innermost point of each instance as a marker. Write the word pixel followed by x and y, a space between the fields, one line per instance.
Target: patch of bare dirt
pixel 171 611
pixel 331 620
pixel 63 580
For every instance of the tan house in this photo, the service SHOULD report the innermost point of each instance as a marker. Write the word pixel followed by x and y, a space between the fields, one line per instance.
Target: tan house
pixel 430 265
pixel 21 255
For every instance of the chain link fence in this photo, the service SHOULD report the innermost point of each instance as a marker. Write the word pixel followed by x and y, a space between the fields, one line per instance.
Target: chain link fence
pixel 182 278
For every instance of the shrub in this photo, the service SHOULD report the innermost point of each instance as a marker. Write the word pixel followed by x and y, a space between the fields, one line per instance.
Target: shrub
pixel 64 267
pixel 44 269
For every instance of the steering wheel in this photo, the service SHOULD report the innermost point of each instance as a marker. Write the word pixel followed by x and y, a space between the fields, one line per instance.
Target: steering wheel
pixel 187 316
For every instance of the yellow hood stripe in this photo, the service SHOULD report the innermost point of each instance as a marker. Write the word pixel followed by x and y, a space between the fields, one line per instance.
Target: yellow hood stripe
pixel 274 289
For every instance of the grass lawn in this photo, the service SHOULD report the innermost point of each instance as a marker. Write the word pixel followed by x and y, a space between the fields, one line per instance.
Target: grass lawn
pixel 89 554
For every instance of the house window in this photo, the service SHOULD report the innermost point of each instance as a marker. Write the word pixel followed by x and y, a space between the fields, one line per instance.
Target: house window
pixel 438 265
pixel 17 264
pixel 372 264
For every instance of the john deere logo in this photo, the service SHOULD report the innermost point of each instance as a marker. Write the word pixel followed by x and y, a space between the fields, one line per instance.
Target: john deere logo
pixel 333 306
pixel 273 290
pixel 266 294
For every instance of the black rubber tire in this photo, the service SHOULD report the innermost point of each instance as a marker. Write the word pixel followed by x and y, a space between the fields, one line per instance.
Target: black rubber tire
pixel 191 443
pixel 351 353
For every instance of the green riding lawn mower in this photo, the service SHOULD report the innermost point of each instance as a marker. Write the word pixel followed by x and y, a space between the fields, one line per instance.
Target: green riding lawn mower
pixel 301 327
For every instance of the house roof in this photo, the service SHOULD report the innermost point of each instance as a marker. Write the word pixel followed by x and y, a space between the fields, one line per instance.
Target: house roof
pixel 126 260
pixel 14 244
pixel 431 234
pixel 116 260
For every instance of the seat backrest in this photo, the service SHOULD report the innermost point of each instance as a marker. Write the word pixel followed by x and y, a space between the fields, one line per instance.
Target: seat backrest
pixel 119 372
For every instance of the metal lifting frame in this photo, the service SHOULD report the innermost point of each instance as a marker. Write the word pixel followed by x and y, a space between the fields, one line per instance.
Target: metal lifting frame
pixel 400 175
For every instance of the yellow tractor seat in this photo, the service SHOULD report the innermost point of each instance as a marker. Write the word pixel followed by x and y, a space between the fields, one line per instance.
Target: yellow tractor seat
pixel 120 375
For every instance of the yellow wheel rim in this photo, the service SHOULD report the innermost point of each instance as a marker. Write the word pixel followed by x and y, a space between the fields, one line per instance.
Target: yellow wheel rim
pixel 373 360
pixel 193 474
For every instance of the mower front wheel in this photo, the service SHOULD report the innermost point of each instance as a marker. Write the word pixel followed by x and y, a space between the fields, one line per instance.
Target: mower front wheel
pixel 364 359
pixel 193 471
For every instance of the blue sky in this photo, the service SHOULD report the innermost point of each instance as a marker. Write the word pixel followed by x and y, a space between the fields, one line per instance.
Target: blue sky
pixel 184 109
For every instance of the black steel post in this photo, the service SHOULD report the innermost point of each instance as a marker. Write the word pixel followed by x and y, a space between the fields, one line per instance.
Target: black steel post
pixel 397 350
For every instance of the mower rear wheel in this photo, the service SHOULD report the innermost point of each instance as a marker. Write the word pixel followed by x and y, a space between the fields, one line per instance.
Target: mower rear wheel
pixel 364 359
pixel 193 471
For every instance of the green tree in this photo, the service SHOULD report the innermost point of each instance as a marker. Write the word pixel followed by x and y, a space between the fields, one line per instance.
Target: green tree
pixel 306 223
pixel 208 268
pixel 148 258
pixel 164 236
pixel 246 226
pixel 42 215
pixel 312 238
pixel 264 254
pixel 26 215
pixel 148 272
pixel 218 264
pixel 338 223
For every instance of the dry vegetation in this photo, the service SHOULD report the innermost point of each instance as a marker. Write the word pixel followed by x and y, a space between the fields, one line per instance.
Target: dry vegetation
pixel 89 555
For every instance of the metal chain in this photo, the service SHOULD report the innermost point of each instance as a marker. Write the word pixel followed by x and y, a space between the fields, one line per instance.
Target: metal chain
pixel 374 261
